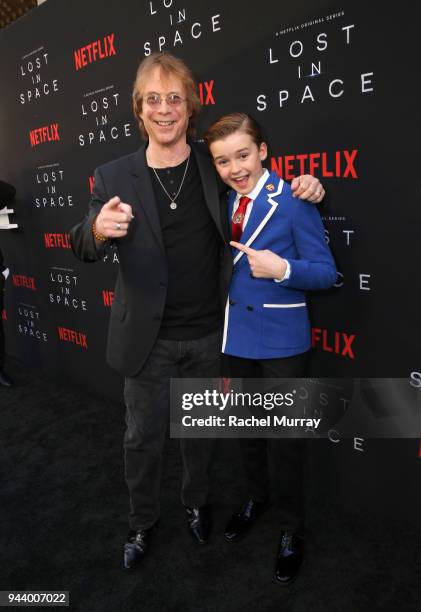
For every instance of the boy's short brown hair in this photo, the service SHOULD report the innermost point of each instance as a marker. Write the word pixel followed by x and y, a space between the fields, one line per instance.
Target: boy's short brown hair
pixel 231 123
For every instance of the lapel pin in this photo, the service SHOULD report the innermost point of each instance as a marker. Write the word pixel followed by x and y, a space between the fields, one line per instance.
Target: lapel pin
pixel 270 187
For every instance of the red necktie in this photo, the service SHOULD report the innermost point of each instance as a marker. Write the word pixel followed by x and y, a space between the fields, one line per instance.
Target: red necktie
pixel 238 218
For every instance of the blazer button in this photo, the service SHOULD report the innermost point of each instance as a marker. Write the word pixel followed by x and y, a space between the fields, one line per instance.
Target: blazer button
pixel 250 308
pixel 231 302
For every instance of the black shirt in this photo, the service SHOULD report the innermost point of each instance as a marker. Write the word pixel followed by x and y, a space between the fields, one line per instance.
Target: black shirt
pixel 192 244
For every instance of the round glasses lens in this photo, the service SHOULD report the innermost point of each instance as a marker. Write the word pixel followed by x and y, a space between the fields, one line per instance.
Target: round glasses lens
pixel 153 100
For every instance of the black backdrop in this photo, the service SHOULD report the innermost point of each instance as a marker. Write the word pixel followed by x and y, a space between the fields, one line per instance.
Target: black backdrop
pixel 333 86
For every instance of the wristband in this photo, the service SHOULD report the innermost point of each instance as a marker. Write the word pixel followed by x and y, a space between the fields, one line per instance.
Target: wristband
pixel 95 233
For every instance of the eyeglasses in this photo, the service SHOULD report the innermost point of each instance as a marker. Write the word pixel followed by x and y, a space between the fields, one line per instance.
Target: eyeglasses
pixel 154 100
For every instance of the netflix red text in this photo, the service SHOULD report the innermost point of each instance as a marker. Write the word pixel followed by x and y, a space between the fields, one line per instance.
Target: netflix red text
pixel 73 336
pixel 107 298
pixel 47 133
pixel 94 51
pixel 20 280
pixel 340 343
pixel 57 241
pixel 206 94
pixel 335 164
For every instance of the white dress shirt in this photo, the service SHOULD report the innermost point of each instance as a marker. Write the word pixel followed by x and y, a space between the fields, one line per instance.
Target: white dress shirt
pixel 253 195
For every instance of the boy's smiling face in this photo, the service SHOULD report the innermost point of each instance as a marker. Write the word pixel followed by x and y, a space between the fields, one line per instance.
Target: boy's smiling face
pixel 238 161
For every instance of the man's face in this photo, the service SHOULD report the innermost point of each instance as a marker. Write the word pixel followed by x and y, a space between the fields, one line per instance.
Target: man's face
pixel 165 124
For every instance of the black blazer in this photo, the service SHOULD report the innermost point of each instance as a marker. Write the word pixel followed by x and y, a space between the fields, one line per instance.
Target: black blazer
pixel 141 286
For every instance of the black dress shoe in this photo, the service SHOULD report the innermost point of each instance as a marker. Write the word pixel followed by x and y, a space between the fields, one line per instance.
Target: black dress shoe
pixel 5 380
pixel 199 523
pixel 289 558
pixel 241 522
pixel 136 546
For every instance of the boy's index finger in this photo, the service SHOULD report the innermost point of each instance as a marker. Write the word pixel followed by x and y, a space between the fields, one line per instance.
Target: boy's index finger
pixel 242 247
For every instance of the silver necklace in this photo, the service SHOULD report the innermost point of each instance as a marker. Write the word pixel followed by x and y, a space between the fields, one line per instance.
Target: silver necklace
pixel 173 203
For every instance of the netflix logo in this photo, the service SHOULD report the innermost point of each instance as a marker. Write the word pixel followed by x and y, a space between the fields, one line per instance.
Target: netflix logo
pixel 4 314
pixel 338 164
pixel 336 342
pixel 28 282
pixel 75 337
pixel 46 133
pixel 57 241
pixel 94 51
pixel 108 298
pixel 206 93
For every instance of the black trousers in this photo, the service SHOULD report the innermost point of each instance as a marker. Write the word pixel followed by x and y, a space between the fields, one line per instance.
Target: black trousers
pixel 147 416
pixel 284 458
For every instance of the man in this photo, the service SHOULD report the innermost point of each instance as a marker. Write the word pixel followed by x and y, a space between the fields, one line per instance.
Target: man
pixel 165 211
pixel 7 193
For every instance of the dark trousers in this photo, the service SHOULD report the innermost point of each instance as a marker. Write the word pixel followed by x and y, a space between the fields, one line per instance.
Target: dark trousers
pixel 284 458
pixel 147 416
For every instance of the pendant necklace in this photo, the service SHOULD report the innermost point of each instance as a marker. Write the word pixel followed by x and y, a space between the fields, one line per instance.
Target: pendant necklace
pixel 173 203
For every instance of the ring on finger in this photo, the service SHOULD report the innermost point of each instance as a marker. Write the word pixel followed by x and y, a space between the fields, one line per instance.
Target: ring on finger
pixel 118 226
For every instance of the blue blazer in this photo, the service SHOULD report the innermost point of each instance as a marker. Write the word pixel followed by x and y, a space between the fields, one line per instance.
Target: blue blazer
pixel 265 319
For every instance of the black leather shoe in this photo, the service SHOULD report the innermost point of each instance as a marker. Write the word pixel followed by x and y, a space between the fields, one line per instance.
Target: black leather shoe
pixel 5 380
pixel 199 523
pixel 289 558
pixel 241 522
pixel 136 546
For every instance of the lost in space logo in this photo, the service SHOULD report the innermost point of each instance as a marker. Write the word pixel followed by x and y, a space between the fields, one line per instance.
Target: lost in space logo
pixel 307 64
pixel 180 26
pixel 101 117
pixel 34 69
pixel 49 188
pixel 64 287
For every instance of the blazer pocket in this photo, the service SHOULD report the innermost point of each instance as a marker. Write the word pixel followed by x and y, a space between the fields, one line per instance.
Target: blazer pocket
pixel 285 326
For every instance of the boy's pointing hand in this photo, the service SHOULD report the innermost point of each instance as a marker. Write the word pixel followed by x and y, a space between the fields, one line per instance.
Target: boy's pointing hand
pixel 263 264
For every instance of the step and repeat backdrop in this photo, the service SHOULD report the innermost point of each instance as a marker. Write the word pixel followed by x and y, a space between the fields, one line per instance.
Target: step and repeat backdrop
pixel 332 84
